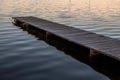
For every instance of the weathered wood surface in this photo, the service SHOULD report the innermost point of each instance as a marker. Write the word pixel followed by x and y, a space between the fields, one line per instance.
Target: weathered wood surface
pixel 105 45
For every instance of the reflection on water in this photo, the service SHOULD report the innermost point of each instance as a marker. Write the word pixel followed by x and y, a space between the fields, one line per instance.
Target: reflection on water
pixel 100 16
pixel 23 57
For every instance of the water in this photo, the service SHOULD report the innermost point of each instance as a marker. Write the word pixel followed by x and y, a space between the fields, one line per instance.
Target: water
pixel 23 57
pixel 99 16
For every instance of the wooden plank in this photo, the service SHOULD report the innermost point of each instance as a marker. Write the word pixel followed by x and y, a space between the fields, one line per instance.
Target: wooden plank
pixel 108 46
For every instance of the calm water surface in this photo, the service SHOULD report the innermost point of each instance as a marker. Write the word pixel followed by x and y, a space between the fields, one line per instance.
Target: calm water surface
pixel 99 16
pixel 23 57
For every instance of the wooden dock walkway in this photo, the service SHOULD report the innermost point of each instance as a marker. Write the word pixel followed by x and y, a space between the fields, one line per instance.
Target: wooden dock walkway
pixel 95 42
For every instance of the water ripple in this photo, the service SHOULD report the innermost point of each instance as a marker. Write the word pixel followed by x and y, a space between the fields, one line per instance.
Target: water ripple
pixel 23 57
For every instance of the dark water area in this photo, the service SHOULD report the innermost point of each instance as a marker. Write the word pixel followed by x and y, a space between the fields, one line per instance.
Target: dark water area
pixel 24 57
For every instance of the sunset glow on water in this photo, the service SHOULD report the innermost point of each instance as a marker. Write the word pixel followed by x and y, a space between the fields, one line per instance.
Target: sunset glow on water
pixel 99 16
pixel 24 57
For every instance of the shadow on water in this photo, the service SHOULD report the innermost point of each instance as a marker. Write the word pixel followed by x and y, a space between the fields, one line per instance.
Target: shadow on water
pixel 23 57
pixel 99 62
pixel 106 65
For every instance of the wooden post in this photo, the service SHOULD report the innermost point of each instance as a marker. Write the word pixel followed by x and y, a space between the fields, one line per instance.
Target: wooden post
pixel 94 55
pixel 15 21
pixel 48 34
pixel 25 26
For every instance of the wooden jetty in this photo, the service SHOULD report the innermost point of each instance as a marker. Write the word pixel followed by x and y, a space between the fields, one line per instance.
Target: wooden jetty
pixel 95 42
pixel 93 45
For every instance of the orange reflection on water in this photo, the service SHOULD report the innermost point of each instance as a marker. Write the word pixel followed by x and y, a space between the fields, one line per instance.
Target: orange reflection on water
pixel 102 8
